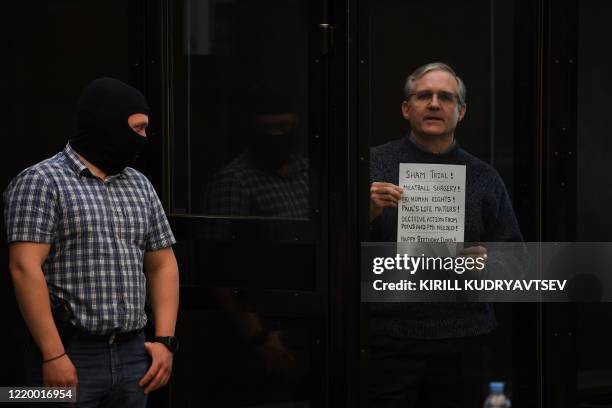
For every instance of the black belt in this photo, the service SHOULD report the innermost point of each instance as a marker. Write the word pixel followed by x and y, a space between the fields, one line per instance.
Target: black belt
pixel 62 316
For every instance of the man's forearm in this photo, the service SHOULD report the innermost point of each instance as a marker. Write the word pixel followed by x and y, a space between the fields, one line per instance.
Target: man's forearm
pixel 33 298
pixel 164 293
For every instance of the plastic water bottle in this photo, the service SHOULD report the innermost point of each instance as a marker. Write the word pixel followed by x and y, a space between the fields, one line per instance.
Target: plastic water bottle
pixel 496 398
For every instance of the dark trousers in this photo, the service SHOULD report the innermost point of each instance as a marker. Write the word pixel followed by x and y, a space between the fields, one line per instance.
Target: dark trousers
pixel 433 373
pixel 108 374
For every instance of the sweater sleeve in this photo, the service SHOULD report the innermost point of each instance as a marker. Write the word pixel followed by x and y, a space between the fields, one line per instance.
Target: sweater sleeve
pixel 509 260
pixel 499 219
pixel 382 228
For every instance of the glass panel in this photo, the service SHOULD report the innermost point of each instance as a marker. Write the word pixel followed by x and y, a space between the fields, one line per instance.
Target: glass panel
pixel 240 157
pixel 594 197
pixel 253 265
pixel 227 369
pixel 241 109
pixel 421 349
pixel 250 326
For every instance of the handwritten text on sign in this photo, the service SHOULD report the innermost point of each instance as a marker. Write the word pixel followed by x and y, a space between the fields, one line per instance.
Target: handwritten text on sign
pixel 432 208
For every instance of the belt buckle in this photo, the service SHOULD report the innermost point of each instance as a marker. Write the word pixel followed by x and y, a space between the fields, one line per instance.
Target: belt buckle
pixel 111 339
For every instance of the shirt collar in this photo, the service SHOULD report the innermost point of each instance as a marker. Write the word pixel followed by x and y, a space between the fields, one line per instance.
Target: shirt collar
pixel 73 160
pixel 81 169
pixel 447 150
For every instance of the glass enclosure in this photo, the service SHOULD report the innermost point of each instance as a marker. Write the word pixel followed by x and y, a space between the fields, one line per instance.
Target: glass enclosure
pixel 241 108
pixel 244 203
pixel 478 40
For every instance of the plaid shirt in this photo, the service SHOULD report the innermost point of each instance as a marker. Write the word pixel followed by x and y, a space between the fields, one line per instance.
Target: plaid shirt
pixel 242 188
pixel 99 233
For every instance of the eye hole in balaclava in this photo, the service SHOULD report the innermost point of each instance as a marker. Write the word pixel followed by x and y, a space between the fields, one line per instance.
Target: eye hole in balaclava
pixel 104 136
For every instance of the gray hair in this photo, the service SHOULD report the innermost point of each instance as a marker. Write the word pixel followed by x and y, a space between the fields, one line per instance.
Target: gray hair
pixel 434 66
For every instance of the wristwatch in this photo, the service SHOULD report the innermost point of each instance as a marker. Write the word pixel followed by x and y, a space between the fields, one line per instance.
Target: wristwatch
pixel 170 342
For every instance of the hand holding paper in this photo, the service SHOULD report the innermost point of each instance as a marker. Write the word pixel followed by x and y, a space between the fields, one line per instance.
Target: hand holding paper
pixel 383 195
pixel 474 252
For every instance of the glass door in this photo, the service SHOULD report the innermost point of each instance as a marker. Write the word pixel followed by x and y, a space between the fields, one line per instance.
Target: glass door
pixel 246 176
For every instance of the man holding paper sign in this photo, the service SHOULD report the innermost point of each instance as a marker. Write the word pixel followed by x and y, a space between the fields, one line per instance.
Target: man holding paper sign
pixel 442 194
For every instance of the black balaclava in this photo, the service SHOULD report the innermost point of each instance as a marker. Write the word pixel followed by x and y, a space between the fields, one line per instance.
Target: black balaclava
pixel 271 150
pixel 103 134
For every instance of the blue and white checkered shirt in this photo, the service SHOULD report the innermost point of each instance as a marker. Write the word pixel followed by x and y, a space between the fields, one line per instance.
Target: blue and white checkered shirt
pixel 98 231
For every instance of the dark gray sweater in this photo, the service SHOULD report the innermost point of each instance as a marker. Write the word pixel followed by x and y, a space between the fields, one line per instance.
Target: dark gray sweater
pixel 488 218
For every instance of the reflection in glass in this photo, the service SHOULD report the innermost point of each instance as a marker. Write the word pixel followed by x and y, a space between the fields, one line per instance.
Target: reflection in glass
pixel 243 347
pixel 240 111
pixel 229 369
pixel 270 178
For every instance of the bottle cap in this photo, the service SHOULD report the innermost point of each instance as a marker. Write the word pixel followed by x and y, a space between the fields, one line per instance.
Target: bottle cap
pixel 496 387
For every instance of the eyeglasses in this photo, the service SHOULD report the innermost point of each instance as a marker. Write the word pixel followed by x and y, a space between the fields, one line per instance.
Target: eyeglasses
pixel 443 97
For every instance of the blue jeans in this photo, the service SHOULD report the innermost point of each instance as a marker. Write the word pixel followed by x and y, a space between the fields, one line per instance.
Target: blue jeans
pixel 108 374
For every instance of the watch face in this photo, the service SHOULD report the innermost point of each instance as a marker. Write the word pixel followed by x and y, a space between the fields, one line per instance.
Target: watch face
pixel 173 343
pixel 170 342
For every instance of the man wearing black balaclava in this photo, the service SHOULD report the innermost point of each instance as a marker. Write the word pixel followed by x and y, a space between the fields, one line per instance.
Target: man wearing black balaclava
pixel 270 178
pixel 88 238
pixel 104 136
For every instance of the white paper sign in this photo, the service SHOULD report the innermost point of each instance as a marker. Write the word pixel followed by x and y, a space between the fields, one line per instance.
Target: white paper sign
pixel 432 208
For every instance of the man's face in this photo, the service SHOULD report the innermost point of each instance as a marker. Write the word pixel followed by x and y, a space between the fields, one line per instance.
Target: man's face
pixel 433 108
pixel 274 139
pixel 139 122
